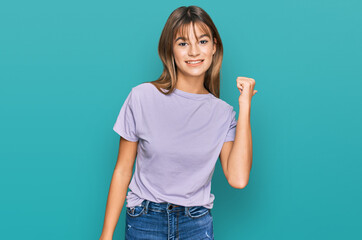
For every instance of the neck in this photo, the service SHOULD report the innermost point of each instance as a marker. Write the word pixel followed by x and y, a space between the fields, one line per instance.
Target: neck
pixel 191 84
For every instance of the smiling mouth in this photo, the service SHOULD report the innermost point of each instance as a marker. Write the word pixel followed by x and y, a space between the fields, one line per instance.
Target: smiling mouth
pixel 194 62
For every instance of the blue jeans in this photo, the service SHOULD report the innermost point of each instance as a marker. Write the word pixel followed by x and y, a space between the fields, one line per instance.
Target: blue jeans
pixel 166 221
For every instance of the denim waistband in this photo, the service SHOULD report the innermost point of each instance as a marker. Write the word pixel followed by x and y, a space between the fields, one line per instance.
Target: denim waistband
pixel 163 207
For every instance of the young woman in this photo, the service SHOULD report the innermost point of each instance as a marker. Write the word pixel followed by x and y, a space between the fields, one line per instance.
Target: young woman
pixel 177 126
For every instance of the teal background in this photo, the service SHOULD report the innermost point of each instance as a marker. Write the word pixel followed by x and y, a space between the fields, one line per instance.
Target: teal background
pixel 66 68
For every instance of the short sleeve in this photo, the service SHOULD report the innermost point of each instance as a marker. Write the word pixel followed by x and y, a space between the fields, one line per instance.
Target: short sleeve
pixel 232 127
pixel 125 124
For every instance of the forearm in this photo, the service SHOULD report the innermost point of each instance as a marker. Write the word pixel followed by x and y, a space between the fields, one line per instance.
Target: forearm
pixel 240 157
pixel 116 198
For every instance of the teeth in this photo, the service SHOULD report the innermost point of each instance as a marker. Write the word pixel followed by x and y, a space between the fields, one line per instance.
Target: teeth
pixel 193 62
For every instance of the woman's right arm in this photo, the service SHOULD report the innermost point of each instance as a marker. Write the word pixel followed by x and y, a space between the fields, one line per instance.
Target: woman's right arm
pixel 119 185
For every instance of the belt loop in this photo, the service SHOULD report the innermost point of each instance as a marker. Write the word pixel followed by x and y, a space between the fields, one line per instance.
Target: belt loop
pixel 186 209
pixel 146 202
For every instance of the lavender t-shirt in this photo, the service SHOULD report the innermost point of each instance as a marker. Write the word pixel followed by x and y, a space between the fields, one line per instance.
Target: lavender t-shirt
pixel 180 137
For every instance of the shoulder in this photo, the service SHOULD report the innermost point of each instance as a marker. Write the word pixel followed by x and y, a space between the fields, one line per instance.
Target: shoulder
pixel 139 90
pixel 142 89
pixel 223 105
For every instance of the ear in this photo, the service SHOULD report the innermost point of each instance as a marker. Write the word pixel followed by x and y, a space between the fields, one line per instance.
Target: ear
pixel 214 47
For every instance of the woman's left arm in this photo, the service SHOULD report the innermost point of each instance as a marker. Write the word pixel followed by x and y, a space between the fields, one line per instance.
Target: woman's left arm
pixel 241 155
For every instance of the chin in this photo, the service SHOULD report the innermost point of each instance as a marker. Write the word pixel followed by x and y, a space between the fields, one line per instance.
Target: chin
pixel 195 72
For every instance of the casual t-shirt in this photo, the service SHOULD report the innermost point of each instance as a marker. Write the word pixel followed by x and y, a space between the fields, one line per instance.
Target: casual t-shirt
pixel 180 137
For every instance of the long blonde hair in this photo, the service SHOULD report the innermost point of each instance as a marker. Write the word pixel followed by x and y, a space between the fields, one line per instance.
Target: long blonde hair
pixel 180 19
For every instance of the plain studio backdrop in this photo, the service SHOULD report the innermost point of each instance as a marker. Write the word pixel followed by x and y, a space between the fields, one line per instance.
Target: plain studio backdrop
pixel 66 68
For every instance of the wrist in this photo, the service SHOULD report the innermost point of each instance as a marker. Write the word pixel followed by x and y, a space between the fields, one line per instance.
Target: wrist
pixel 106 236
pixel 244 104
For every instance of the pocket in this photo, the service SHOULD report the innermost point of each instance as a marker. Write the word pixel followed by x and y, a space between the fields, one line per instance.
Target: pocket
pixel 197 211
pixel 135 211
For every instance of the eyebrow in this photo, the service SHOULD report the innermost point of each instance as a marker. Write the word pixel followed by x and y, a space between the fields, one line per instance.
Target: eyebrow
pixel 183 38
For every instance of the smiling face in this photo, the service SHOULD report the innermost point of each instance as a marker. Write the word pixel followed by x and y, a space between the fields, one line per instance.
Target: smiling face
pixel 193 56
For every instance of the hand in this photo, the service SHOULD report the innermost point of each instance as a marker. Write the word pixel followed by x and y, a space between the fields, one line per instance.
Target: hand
pixel 246 88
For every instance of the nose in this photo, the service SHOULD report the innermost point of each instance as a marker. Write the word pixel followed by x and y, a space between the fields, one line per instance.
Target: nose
pixel 194 50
